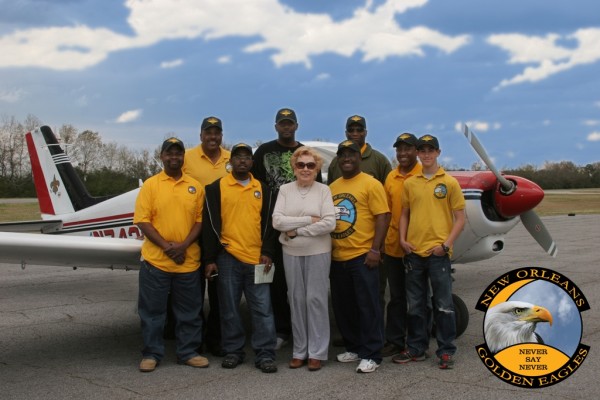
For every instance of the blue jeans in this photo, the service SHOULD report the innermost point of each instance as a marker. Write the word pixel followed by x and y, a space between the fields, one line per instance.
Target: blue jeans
pixel 236 277
pixel 438 270
pixel 186 294
pixel 355 299
pixel 395 328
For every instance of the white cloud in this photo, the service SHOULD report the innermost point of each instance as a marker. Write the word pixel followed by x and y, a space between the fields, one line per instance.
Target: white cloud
pixel 291 37
pixel 12 96
pixel 544 56
pixel 594 137
pixel 478 126
pixel 129 116
pixel 322 76
pixel 172 63
pixel 591 122
pixel 224 59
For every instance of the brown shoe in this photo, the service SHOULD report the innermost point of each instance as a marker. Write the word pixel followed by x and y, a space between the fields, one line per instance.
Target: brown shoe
pixel 313 364
pixel 148 365
pixel 197 362
pixel 296 363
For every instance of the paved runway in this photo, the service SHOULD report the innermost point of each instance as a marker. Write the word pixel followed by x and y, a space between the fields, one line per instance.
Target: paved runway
pixel 75 334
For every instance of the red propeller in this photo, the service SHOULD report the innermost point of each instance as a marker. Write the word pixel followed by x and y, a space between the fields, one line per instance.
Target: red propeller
pixel 516 196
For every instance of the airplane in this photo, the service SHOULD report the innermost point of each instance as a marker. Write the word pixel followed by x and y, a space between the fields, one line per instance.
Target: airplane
pixel 80 230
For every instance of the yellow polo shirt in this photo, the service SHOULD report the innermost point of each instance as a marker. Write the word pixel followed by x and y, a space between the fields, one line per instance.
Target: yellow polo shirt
pixel 200 167
pixel 357 201
pixel 172 207
pixel 393 188
pixel 241 208
pixel 431 203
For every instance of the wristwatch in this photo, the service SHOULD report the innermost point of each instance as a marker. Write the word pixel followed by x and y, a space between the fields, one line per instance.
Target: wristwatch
pixel 445 248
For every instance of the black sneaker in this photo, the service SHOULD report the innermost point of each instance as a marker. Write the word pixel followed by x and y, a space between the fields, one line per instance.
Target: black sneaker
pixel 446 362
pixel 389 349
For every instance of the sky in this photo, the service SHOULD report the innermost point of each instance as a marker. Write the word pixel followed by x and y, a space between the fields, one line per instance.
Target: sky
pixel 525 75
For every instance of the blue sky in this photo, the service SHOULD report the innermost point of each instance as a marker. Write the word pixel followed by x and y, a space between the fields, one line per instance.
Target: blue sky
pixel 524 75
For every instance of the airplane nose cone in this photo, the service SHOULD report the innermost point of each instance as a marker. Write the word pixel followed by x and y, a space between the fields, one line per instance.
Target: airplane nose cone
pixel 526 196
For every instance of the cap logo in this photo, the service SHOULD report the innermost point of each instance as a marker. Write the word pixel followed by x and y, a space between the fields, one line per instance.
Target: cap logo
pixel 212 120
pixel 404 136
pixel 356 118
pixel 286 112
pixel 173 140
pixel 427 138
pixel 347 143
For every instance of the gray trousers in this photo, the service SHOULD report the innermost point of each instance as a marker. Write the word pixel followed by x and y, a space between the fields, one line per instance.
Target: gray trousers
pixel 307 280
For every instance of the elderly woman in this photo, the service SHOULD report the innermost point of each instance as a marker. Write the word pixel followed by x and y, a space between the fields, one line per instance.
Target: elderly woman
pixel 305 216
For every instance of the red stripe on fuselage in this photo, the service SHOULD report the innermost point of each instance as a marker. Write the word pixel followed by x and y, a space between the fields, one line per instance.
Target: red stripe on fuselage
pixel 103 219
pixel 39 179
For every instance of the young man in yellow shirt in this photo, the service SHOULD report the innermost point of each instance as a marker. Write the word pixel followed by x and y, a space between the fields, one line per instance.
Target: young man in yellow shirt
pixel 433 215
pixel 395 328
pixel 168 210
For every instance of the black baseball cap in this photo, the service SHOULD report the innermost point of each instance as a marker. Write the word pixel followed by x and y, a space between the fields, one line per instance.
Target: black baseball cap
pixel 428 140
pixel 240 146
pixel 407 138
pixel 286 113
pixel 209 122
pixel 170 142
pixel 347 144
pixel 356 119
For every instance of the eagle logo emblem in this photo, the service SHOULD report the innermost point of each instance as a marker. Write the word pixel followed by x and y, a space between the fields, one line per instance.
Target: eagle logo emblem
pixel 356 118
pixel 54 184
pixel 286 112
pixel 212 120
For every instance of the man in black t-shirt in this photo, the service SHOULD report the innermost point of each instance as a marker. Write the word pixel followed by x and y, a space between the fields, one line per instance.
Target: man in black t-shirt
pixel 272 166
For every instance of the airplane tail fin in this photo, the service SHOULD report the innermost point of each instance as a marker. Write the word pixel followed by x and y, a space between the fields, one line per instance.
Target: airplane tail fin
pixel 59 188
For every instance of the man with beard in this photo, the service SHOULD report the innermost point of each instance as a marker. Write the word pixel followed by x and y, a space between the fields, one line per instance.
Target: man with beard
pixel 206 163
pixel 168 210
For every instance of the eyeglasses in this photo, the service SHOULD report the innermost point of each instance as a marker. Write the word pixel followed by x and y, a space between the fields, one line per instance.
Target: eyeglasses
pixel 242 158
pixel 309 165
pixel 359 130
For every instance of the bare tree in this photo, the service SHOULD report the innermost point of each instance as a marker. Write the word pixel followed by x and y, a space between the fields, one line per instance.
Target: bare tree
pixel 88 151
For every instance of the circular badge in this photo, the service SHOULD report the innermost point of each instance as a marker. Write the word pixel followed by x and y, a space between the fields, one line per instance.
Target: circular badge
pixel 191 189
pixel 440 191
pixel 345 215
pixel 532 327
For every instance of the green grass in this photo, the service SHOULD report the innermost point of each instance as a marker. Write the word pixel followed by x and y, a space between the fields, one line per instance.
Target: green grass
pixel 577 201
pixel 19 212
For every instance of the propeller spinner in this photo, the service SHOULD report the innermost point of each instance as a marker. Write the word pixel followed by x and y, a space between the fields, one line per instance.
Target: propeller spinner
pixel 516 196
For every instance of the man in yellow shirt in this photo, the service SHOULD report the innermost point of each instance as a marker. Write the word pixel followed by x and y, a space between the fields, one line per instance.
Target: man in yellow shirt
pixel 395 328
pixel 237 236
pixel 433 215
pixel 206 163
pixel 361 223
pixel 168 210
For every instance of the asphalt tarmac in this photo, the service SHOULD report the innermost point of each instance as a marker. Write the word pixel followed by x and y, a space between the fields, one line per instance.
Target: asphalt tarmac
pixel 75 334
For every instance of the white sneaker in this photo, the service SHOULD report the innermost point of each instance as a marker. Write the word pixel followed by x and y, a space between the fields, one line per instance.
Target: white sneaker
pixel 348 357
pixel 280 343
pixel 366 366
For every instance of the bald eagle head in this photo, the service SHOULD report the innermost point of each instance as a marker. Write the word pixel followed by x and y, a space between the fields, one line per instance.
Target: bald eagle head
pixel 513 322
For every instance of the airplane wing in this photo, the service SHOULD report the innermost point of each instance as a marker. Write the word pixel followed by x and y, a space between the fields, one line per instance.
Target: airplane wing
pixel 31 226
pixel 76 251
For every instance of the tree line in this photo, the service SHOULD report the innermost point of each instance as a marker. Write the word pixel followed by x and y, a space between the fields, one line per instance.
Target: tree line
pixel 106 168
pixel 109 168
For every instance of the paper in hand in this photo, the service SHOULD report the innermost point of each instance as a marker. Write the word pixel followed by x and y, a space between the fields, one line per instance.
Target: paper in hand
pixel 260 276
